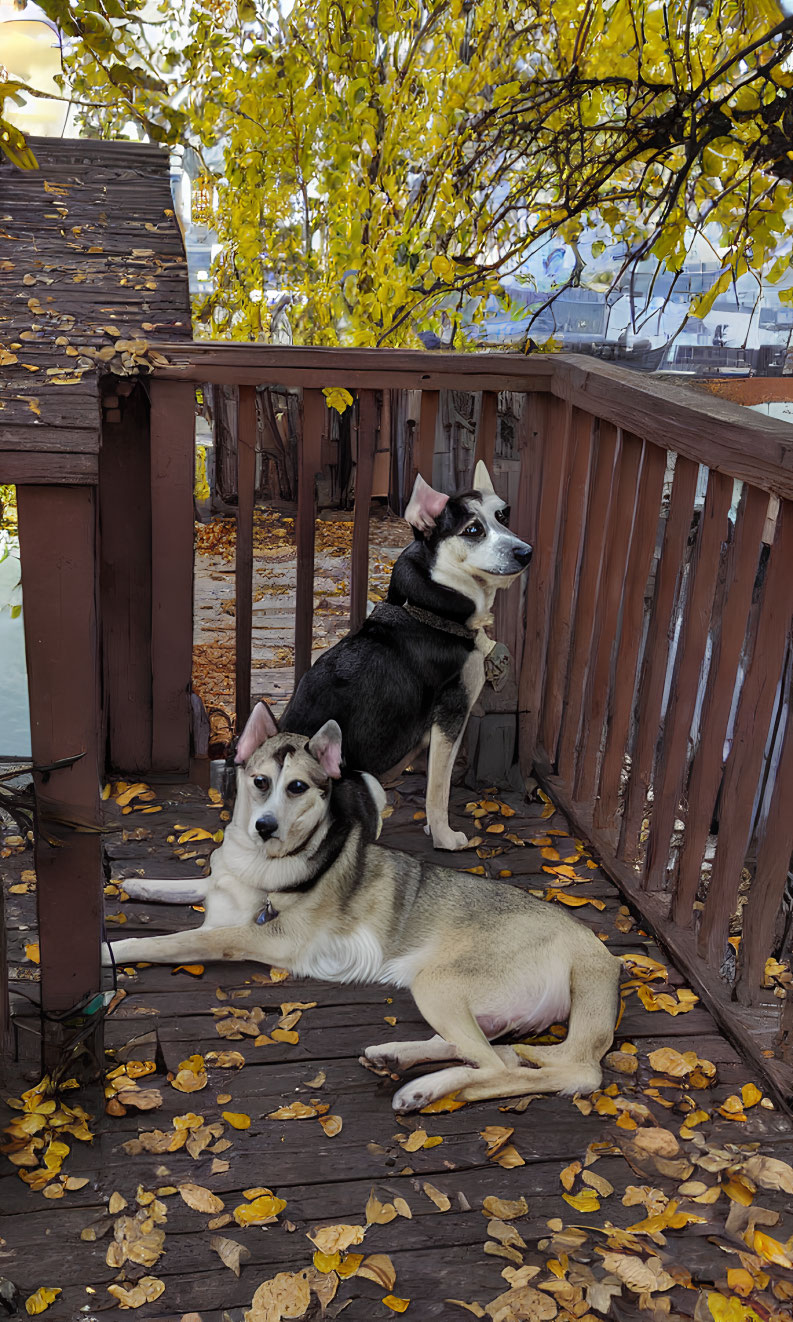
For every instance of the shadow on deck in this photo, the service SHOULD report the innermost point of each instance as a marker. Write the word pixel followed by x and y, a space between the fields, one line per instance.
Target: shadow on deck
pixel 448 1248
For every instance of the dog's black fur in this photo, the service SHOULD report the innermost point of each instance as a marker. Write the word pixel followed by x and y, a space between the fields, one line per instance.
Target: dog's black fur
pixel 389 681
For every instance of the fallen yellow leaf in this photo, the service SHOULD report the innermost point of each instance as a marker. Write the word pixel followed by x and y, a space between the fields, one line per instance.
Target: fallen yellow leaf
pixel 237 1119
pixel 396 1305
pixel 40 1301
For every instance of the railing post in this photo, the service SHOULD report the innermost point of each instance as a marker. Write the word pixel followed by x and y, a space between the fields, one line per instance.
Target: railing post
pixel 314 412
pixel 487 431
pixel 57 533
pixel 243 560
pixel 172 535
pixel 425 445
pixel 364 470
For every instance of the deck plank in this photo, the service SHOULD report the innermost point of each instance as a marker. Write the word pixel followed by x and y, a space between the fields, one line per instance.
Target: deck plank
pixel 437 1255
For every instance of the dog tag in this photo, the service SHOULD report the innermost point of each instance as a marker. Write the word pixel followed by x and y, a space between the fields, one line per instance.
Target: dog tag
pixel 497 665
pixel 267 914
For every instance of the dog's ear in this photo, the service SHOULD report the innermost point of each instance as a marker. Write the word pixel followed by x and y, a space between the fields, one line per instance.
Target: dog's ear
pixel 326 748
pixel 482 480
pixel 424 506
pixel 260 726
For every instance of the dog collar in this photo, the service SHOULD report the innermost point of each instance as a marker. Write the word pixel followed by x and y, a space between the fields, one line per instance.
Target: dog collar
pixel 438 622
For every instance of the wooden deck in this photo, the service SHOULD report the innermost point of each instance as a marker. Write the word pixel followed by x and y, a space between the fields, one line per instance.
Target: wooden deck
pixel 448 1248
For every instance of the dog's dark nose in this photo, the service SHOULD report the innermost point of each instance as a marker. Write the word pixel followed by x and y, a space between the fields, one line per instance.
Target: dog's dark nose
pixel 523 555
pixel 266 825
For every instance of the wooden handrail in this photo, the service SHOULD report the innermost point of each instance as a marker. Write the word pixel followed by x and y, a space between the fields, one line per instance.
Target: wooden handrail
pixel 725 436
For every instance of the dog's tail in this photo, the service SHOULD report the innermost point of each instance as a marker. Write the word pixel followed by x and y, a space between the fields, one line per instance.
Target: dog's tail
pixel 574 1064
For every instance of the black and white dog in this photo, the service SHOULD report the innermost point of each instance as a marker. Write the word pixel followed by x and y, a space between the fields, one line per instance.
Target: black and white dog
pixel 412 672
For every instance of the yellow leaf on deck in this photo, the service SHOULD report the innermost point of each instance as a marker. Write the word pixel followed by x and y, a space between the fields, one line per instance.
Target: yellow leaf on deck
pixel 349 1265
pixel 441 1200
pixel 295 1111
pixel 740 1280
pixel 33 953
pixel 285 1035
pixel 41 1300
pixel 550 853
pixel 750 1094
pixel 260 1210
pixel 200 1199
pixel 326 1262
pixel 771 1249
pixel 237 1119
pixel 585 1201
pixel 335 1239
pixel 195 969
pixel 194 833
pixel 396 1305
pixel 448 1103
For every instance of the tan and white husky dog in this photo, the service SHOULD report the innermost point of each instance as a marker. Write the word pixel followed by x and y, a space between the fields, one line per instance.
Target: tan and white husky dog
pixel 299 882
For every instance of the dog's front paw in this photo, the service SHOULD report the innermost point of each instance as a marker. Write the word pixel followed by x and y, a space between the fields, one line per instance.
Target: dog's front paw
pixel 107 958
pixel 443 837
pixel 412 1096
pixel 381 1058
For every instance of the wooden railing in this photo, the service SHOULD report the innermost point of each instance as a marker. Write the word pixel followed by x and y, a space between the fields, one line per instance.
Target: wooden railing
pixel 653 650
pixel 657 624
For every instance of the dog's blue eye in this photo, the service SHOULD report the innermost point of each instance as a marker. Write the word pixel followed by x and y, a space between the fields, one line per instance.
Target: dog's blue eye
pixel 503 516
pixel 262 782
pixel 296 787
pixel 474 529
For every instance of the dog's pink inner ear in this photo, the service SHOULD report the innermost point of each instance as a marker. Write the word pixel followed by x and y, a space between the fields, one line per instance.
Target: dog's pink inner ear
pixel 424 506
pixel 260 726
pixel 326 748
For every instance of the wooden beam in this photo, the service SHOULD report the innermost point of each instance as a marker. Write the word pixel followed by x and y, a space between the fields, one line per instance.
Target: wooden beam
pixel 364 469
pixel 57 527
pixel 46 468
pixel 125 586
pixel 243 565
pixel 357 369
pixel 487 431
pixel 424 451
pixel 309 463
pixel 726 437
pixel 172 531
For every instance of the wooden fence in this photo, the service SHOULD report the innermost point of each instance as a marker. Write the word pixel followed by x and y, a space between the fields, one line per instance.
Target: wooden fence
pixel 654 678
pixel 653 652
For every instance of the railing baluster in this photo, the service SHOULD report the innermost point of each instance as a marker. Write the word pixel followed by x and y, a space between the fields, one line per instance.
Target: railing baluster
pixel 364 470
pixel 640 558
pixel 574 516
pixel 607 613
pixel 752 721
pixel 670 770
pixel 730 631
pixel 314 413
pixel 243 562
pixel 771 872
pixel 487 431
pixel 603 484
pixel 551 420
pixel 172 538
pixel 656 651
pixel 425 444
